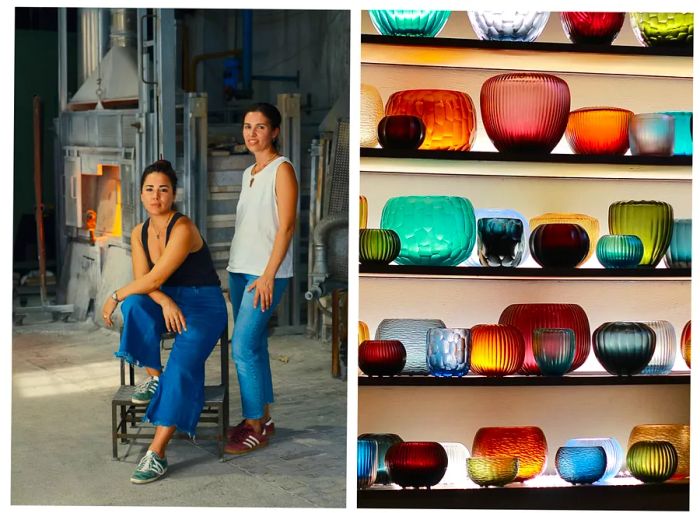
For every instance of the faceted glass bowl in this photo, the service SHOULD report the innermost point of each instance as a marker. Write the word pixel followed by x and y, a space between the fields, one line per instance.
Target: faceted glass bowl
pixel 417 23
pixel 624 348
pixel 581 465
pixel 599 130
pixel 500 241
pixel 503 213
pixel 526 443
pixel 521 26
pixel 449 116
pixel 448 351
pixel 492 471
pixel 592 28
pixel 665 29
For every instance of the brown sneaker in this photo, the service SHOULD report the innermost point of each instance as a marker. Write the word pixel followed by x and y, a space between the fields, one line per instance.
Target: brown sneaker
pixel 245 440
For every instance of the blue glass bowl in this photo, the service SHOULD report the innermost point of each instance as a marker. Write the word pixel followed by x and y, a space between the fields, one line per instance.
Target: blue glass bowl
pixel 683 134
pixel 384 441
pixel 679 254
pixel 619 251
pixel 418 23
pixel 448 351
pixel 624 348
pixel 366 463
pixel 434 230
pixel 581 465
pixel 481 213
pixel 500 241
pixel 614 454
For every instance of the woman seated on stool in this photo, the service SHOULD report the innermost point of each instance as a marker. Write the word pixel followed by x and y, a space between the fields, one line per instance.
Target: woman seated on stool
pixel 176 289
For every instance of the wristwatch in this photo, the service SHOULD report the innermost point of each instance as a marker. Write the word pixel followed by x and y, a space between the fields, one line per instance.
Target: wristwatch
pixel 114 296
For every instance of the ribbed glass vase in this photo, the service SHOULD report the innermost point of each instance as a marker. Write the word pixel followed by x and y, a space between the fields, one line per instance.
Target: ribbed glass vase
pixel 554 350
pixel 366 463
pixel 527 443
pixel 685 343
pixel 417 23
pixel 614 454
pixel 384 441
pixel 665 352
pixel 588 223
pixel 581 465
pixel 527 317
pixel 449 116
pixel 448 351
pixel 651 221
pixel 619 251
pixel 665 29
pixel 434 230
pixel 680 250
pixel 497 350
pixel 676 434
pixel 413 335
pixel 378 246
pixel 525 112
pixel 520 26
pixel 592 28
pixel 457 455
pixel 371 112
pixel 652 462
pixel 624 348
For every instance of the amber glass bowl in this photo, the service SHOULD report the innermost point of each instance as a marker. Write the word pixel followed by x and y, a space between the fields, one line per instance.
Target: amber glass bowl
pixel 492 471
pixel 676 434
pixel 449 116
pixel 685 343
pixel 599 130
pixel 527 443
pixel 588 223
pixel 497 350
pixel 362 332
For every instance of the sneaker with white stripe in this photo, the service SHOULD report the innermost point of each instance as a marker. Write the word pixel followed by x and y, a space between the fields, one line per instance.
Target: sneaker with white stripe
pixel 143 393
pixel 245 440
pixel 150 468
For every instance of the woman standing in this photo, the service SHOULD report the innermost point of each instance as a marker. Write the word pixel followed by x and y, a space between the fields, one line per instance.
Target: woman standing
pixel 260 265
pixel 175 288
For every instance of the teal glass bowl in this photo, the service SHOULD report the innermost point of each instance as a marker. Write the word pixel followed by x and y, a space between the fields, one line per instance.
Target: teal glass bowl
pixel 384 441
pixel 614 454
pixel 683 134
pixel 619 251
pixel 679 254
pixel 420 23
pixel 581 465
pixel 624 348
pixel 434 230
pixel 554 350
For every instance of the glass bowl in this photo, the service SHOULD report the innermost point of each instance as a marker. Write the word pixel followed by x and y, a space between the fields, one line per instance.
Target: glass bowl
pixel 381 357
pixel 384 441
pixel 525 112
pixel 588 223
pixel 619 251
pixel 378 246
pixel 652 134
pixel 363 212
pixel 371 112
pixel 685 343
pixel 497 350
pixel 449 116
pixel 554 350
pixel 520 26
pixel 416 464
pixel 481 213
pixel 366 463
pixel 362 332
pixel 492 471
pixel 614 454
pixel 676 434
pixel 624 348
pixel 665 351
pixel 651 221
pixel 500 241
pixel 559 245
pixel 412 333
pixel 401 132
pixel 682 132
pixel 665 29
pixel 581 465
pixel 448 351
pixel 457 455
pixel 652 462
pixel 417 23
pixel 592 28
pixel 599 130
pixel 679 253
pixel 526 443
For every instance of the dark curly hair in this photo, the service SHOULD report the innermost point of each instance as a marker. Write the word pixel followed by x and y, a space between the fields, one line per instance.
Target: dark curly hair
pixel 161 166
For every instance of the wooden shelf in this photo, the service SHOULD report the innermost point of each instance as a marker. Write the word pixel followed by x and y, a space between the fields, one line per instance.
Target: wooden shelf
pixel 575 379
pixel 633 495
pixel 552 57
pixel 522 273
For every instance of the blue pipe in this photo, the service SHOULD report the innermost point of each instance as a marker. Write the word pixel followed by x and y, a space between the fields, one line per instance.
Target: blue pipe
pixel 247 50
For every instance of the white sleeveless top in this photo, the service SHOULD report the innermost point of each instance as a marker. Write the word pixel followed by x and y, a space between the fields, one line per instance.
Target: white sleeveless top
pixel 257 222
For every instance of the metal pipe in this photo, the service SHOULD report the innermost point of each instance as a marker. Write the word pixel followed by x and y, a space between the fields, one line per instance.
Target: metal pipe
pixel 122 31
pixel 39 212
pixel 192 82
pixel 62 59
pixel 247 66
pixel 320 271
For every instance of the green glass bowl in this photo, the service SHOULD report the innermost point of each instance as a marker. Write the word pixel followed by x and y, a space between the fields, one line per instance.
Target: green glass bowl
pixel 419 23
pixel 378 246
pixel 492 471
pixel 651 221
pixel 665 29
pixel 652 462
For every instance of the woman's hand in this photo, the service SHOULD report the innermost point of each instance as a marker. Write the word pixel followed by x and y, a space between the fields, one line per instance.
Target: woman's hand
pixel 174 320
pixel 107 311
pixel 264 287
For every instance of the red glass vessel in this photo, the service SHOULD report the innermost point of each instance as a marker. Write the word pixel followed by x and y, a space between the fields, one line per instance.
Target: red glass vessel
pixel 525 112
pixel 497 350
pixel 527 317
pixel 599 130
pixel 449 116
pixel 527 443
pixel 381 357
pixel 559 245
pixel 401 132
pixel 597 28
pixel 416 464
pixel 685 343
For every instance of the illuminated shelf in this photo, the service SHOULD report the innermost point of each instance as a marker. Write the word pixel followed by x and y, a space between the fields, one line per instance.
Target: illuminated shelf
pixel 552 57
pixel 576 379
pixel 632 495
pixel 521 273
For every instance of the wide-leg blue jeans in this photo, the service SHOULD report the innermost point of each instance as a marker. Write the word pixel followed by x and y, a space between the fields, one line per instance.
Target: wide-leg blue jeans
pixel 249 343
pixel 179 398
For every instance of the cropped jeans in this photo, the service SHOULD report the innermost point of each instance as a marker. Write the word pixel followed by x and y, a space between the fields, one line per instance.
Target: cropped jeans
pixel 249 343
pixel 179 398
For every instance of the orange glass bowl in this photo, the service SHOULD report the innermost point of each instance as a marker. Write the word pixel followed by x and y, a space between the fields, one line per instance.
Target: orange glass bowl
pixel 526 317
pixel 362 332
pixel 588 223
pixel 685 343
pixel 599 131
pixel 449 116
pixel 676 434
pixel 527 443
pixel 497 350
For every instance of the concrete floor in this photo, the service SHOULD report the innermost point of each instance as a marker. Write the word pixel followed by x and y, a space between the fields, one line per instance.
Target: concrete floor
pixel 64 377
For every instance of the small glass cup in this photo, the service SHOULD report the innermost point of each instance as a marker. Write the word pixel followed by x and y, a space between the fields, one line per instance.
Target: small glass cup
pixel 652 134
pixel 679 254
pixel 500 241
pixel 554 350
pixel 366 463
pixel 448 351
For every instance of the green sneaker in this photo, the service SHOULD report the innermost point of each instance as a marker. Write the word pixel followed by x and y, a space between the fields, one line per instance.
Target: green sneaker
pixel 150 468
pixel 143 393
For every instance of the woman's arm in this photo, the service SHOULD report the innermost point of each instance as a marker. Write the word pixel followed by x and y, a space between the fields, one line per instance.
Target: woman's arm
pixel 286 190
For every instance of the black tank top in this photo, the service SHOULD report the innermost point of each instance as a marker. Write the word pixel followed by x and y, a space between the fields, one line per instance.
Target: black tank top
pixel 196 271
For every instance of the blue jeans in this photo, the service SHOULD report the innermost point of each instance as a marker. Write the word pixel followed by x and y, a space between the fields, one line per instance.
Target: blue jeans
pixel 249 343
pixel 179 398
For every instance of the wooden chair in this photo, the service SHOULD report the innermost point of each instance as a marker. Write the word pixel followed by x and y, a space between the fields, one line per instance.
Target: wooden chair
pixel 126 415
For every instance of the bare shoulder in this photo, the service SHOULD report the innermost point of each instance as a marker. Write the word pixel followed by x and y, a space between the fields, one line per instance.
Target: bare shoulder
pixel 136 234
pixel 286 173
pixel 185 224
